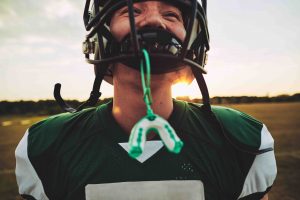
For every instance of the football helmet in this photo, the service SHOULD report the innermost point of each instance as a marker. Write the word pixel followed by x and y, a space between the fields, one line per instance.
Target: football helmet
pixel 166 51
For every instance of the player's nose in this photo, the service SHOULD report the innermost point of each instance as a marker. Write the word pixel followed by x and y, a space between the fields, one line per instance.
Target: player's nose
pixel 152 19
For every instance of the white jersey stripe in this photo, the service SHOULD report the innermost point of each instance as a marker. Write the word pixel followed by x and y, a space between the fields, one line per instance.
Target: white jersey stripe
pixel 27 178
pixel 266 139
pixel 263 170
pixel 150 149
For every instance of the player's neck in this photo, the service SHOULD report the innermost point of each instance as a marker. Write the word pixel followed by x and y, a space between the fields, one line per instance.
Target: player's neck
pixel 129 107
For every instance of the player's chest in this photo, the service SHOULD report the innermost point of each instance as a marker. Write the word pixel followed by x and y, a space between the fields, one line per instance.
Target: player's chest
pixel 104 162
pixel 111 163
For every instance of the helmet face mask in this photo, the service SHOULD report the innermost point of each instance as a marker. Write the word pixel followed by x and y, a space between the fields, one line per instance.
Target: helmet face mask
pixel 160 44
pixel 167 52
pixel 107 50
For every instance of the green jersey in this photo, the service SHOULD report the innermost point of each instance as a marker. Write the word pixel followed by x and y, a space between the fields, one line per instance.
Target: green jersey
pixel 59 156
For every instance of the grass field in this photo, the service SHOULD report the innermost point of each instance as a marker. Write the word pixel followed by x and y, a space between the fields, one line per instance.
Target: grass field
pixel 282 119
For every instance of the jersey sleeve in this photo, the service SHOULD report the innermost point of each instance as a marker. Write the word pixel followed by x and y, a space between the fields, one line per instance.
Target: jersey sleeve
pixel 263 170
pixel 253 138
pixel 29 183
pixel 35 144
pixel 38 154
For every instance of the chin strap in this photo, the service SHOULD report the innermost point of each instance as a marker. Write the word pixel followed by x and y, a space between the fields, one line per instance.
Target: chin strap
pixel 151 122
pixel 203 89
pixel 92 100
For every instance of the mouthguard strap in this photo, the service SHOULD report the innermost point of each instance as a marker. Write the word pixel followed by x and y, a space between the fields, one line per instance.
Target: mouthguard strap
pixel 146 83
pixel 151 122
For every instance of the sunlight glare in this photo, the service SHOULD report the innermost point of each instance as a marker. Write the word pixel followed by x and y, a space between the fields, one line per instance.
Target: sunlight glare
pixel 182 89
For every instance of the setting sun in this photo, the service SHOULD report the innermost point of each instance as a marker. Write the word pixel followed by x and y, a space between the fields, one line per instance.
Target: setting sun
pixel 183 89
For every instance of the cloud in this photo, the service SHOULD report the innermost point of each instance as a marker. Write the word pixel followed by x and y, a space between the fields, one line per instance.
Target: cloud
pixel 61 9
pixel 44 17
pixel 40 42
pixel 41 45
pixel 30 29
pixel 6 9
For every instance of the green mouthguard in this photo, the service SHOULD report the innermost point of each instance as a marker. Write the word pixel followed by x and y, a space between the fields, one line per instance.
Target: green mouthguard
pixel 151 122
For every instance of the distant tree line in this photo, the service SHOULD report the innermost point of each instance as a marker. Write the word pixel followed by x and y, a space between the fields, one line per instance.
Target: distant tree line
pixel 50 107
pixel 42 107
pixel 246 99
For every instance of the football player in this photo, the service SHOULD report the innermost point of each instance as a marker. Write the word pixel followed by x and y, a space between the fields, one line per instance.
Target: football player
pixel 227 153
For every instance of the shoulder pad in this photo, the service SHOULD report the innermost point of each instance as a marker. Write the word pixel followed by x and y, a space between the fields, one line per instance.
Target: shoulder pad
pixel 244 131
pixel 44 133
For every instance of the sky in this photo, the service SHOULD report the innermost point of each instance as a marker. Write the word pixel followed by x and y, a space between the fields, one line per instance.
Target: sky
pixel 255 49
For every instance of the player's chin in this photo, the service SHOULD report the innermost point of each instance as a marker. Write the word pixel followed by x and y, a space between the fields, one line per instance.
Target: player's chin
pixel 183 75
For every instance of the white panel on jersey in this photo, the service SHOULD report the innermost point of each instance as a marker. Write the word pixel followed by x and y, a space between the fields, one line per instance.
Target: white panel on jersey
pixel 266 139
pixel 151 147
pixel 27 179
pixel 263 170
pixel 147 190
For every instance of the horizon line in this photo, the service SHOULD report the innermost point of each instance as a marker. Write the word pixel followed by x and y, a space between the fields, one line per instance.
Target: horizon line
pixel 184 96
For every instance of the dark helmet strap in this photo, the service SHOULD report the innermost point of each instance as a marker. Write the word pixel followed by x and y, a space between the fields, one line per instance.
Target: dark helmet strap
pixel 203 88
pixel 60 100
pixel 94 95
